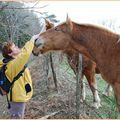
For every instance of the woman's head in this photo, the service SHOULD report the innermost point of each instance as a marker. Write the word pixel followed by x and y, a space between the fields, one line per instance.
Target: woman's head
pixel 9 50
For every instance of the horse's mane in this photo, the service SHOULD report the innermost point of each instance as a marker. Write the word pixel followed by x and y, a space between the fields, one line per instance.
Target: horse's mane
pixel 97 28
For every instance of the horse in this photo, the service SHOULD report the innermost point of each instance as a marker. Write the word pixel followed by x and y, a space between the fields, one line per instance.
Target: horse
pixel 88 69
pixel 65 37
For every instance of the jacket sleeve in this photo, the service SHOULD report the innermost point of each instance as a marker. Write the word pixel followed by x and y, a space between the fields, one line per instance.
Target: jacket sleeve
pixel 17 64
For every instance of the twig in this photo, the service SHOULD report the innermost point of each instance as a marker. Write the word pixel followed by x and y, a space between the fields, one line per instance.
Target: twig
pixel 49 115
pixel 23 7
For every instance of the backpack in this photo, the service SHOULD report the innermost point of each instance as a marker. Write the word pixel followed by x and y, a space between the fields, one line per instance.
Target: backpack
pixel 5 84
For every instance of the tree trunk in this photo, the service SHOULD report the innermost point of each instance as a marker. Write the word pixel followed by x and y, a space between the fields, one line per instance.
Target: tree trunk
pixel 53 72
pixel 46 66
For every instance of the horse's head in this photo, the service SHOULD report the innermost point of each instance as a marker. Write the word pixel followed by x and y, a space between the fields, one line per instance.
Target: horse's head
pixel 39 43
pixel 57 38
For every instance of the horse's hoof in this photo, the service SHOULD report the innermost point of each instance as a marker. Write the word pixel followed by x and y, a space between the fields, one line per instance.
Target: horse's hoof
pixel 96 105
pixel 106 94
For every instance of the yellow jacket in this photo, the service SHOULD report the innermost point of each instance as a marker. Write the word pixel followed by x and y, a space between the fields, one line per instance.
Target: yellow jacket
pixel 19 93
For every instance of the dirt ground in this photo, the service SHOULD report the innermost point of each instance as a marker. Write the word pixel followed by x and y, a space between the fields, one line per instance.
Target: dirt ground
pixel 46 101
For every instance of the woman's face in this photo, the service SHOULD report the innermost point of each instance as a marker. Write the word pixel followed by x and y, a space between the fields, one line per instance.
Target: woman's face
pixel 15 50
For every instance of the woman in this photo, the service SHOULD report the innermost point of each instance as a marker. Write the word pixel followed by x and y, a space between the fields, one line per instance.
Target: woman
pixel 22 88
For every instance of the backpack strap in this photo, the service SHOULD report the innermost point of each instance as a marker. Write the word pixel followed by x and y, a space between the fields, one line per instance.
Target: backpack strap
pixel 8 102
pixel 19 75
pixel 16 78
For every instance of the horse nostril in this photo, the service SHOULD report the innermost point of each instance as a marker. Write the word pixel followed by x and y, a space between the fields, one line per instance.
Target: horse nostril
pixel 35 54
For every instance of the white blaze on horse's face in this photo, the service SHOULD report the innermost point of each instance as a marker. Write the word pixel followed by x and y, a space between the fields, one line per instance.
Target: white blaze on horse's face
pixel 39 42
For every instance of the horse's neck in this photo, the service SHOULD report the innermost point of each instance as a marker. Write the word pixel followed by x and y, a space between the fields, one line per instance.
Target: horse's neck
pixel 100 43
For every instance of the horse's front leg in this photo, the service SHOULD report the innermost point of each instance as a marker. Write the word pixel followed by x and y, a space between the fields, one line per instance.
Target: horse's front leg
pixel 83 93
pixel 93 86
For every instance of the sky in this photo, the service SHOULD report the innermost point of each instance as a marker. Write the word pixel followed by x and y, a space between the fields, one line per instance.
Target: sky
pixel 84 11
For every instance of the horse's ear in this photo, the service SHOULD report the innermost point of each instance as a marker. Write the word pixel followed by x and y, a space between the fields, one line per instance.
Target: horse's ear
pixel 69 23
pixel 47 22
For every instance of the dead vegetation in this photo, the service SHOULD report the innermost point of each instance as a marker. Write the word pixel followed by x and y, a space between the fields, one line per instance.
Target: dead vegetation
pixel 61 104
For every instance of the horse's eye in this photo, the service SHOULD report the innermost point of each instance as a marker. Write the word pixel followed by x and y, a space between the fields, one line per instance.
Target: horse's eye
pixel 56 29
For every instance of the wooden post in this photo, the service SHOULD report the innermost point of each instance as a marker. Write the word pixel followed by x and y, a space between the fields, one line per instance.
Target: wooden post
pixel 78 82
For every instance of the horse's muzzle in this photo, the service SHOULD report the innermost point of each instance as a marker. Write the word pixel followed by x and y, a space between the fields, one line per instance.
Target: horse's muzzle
pixel 38 44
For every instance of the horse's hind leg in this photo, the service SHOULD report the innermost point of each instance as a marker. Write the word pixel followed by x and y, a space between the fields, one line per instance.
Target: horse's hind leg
pixel 107 90
pixel 93 86
pixel 116 89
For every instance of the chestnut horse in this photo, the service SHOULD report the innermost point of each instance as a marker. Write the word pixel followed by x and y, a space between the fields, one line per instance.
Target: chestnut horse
pixel 88 69
pixel 70 35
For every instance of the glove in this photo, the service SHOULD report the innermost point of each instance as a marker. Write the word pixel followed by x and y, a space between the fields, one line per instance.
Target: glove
pixel 34 37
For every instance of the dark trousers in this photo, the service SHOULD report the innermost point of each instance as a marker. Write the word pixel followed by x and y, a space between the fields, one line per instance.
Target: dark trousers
pixel 17 110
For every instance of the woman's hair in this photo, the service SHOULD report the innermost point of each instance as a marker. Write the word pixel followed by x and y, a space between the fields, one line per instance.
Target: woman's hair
pixel 6 49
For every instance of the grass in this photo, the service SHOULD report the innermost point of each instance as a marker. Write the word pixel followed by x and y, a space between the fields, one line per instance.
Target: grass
pixel 109 108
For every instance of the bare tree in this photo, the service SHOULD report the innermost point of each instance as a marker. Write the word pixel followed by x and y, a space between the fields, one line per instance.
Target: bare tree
pixel 18 24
